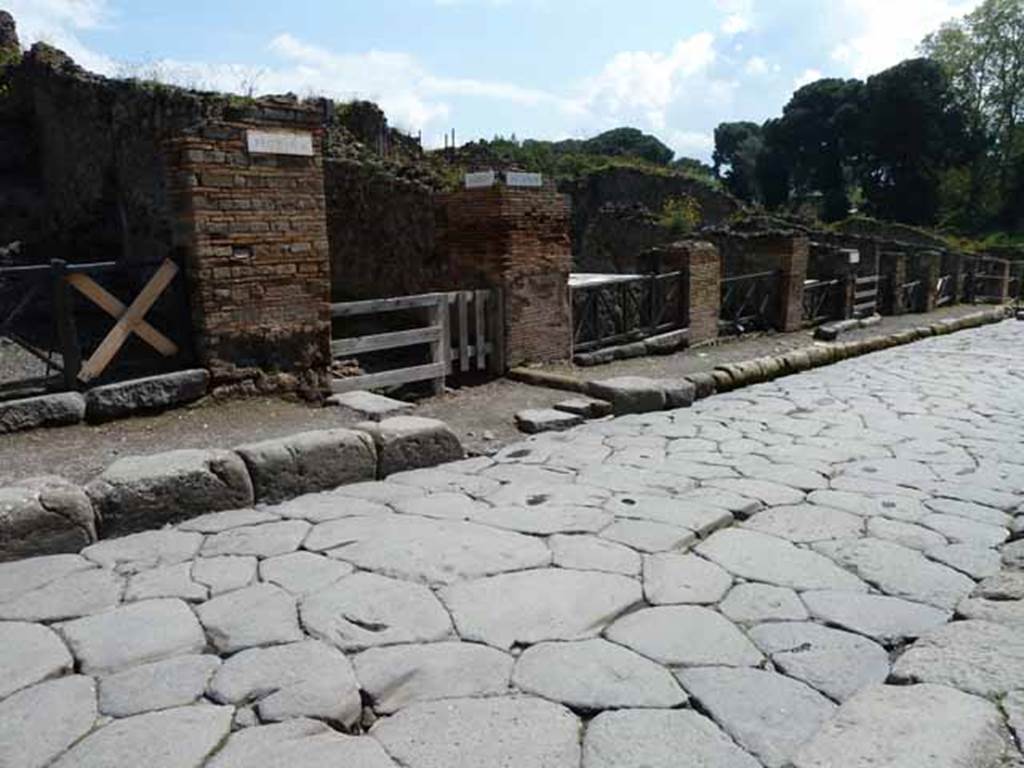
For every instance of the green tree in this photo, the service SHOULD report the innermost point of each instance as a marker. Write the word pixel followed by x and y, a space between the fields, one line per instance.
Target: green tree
pixel 912 133
pixel 737 146
pixel 629 142
pixel 983 55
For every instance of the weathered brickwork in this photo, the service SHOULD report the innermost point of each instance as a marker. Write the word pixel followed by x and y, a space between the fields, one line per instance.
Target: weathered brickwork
pixel 254 234
pixel 517 239
pixel 701 263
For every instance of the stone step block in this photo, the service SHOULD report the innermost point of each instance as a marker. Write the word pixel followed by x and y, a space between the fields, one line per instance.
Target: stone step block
pixel 586 407
pixel 411 442
pixel 43 516
pixel 44 411
pixel 153 393
pixel 546 420
pixel 370 406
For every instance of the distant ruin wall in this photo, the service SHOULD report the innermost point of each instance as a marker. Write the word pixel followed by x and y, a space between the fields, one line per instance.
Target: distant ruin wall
pixel 614 213
pixel 386 233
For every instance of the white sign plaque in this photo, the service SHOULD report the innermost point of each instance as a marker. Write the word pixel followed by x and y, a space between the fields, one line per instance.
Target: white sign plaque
pixel 519 179
pixel 280 143
pixel 854 256
pixel 479 179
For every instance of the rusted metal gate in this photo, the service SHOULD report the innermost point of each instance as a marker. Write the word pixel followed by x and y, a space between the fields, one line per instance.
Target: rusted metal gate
pixel 749 302
pixel 985 281
pixel 613 309
pixel 945 292
pixel 821 301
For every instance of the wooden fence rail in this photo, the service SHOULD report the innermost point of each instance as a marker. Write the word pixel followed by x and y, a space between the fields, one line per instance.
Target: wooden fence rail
pixel 461 329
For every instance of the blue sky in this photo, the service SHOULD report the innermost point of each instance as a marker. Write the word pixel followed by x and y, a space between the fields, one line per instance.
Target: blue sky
pixel 534 68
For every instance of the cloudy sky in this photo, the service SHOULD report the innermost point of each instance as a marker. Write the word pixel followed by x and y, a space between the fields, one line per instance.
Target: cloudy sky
pixel 534 68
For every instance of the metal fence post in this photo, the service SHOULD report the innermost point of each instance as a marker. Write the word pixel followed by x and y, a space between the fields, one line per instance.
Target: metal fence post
pixel 64 316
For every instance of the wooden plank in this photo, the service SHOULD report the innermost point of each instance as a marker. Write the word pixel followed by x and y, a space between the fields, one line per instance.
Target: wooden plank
pixel 479 301
pixel 390 340
pixel 868 279
pixel 109 303
pixel 463 332
pixel 389 378
pixel 370 306
pixel 498 362
pixel 865 294
pixel 125 326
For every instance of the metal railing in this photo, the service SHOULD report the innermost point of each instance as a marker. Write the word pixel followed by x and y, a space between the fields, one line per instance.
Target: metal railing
pixel 945 291
pixel 820 301
pixel 749 302
pixel 612 310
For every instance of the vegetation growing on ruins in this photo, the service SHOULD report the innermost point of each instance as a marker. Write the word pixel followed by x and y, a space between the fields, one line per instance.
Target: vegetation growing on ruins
pixel 933 141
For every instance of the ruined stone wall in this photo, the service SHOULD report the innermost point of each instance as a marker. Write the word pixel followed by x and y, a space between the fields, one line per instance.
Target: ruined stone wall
pixel 603 195
pixel 253 228
pixel 517 239
pixel 386 233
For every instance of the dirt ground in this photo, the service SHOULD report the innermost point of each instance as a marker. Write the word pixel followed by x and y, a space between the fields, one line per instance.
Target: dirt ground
pixel 481 415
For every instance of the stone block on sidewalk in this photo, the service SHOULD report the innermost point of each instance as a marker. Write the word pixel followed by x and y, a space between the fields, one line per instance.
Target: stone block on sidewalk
pixel 308 462
pixel 630 394
pixel 368 405
pixel 667 343
pixel 44 411
pixel 153 393
pixel 140 492
pixel 704 384
pixel 586 407
pixel 411 442
pixel 44 516
pixel 546 420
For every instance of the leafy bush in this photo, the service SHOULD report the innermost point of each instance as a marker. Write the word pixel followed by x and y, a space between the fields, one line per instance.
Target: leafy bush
pixel 681 215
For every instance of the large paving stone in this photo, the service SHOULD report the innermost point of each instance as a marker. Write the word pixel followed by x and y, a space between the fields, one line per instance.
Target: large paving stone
pixel 685 636
pixel 299 744
pixel 471 733
pixel 43 411
pixel 124 398
pixel 366 610
pixel 411 442
pixel 765 491
pixel 399 675
pixel 429 551
pixel 303 573
pixel 975 656
pixel 224 574
pixel 22 576
pixel 169 581
pixel 42 516
pixel 836 663
pixel 591 553
pixel 751 603
pixel 544 520
pixel 659 739
pixel 645 536
pixel 898 571
pixel 1013 706
pixel 897 507
pixel 595 675
pixel 889 620
pixel 306 679
pixel 133 634
pixel 139 492
pixel 970 559
pixel 267 540
pixel 767 714
pixel 806 523
pixel 77 594
pixel 149 549
pixel 329 505
pixel 1008 585
pixel 960 530
pixel 308 462
pixel 29 653
pixel 909 535
pixel 699 518
pixel 977 512
pixel 174 738
pixel 172 682
pixel 37 724
pixel 533 606
pixel 673 579
pixel 216 522
pixel 535 420
pixel 263 614
pixel 630 394
pixel 909 727
pixel 759 557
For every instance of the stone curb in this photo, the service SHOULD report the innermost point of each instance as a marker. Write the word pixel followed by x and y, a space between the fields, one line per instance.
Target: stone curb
pixel 146 492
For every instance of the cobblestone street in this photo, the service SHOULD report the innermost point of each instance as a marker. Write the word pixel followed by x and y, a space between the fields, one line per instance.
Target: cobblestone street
pixel 820 572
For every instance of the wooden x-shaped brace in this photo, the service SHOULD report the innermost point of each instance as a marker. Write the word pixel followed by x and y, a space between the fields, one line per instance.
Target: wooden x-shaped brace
pixel 129 320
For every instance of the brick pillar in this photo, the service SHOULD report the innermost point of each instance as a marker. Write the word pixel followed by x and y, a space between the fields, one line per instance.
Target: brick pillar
pixel 928 267
pixel 893 269
pixel 704 291
pixel 1004 284
pixel 517 239
pixel 793 254
pixel 250 202
pixel 959 272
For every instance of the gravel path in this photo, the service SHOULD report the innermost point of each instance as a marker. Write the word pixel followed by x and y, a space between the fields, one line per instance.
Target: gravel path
pixel 769 578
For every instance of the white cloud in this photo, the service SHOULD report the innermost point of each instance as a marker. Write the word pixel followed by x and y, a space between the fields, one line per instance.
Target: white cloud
pixel 805 77
pixel 647 82
pixel 756 65
pixel 690 143
pixel 739 16
pixel 59 22
pixel 881 33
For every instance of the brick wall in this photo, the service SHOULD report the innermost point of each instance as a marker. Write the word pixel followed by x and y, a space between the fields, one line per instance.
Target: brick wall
pixel 517 239
pixel 252 227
